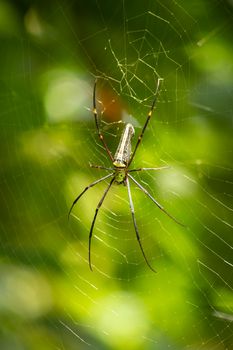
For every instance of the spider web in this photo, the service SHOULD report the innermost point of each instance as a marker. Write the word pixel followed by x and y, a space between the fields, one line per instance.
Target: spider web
pixel 49 139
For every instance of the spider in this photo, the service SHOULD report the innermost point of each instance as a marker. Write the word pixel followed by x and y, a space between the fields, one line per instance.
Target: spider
pixel 120 172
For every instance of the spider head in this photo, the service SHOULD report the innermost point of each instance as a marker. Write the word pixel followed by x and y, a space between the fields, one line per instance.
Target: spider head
pixel 120 175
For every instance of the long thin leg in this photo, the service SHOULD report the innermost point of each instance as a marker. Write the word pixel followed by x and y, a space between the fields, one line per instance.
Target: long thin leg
pixel 135 224
pixel 152 198
pixel 143 169
pixel 100 167
pixel 86 188
pixel 93 222
pixel 147 121
pixel 101 136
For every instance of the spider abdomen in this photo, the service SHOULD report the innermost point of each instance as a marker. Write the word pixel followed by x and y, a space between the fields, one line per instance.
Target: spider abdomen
pixel 123 152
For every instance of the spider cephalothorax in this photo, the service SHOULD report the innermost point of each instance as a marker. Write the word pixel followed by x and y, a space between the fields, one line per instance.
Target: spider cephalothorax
pixel 120 172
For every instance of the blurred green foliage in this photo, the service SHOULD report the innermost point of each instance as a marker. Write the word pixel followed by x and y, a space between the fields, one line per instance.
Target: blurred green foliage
pixel 51 53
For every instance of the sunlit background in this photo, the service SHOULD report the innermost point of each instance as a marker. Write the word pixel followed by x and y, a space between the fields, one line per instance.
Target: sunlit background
pixel 51 54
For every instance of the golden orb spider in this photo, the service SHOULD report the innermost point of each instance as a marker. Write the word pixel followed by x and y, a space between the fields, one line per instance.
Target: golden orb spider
pixel 120 171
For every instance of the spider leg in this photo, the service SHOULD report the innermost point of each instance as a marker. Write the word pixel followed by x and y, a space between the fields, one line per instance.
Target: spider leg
pixel 101 136
pixel 93 221
pixel 147 120
pixel 87 188
pixel 143 169
pixel 100 167
pixel 135 225
pixel 154 200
